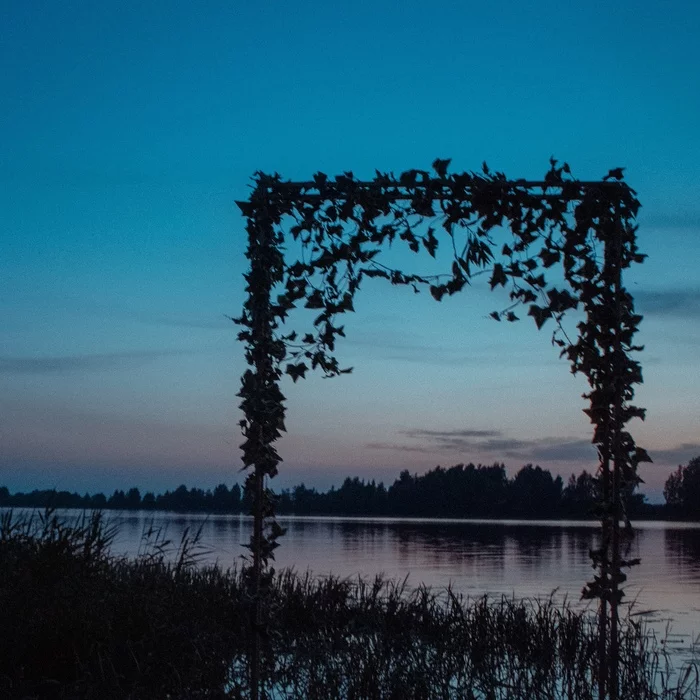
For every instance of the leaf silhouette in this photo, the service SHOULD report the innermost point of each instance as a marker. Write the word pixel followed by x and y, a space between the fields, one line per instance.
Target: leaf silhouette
pixel 440 166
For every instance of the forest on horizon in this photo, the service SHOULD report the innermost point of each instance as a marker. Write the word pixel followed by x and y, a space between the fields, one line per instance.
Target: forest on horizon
pixel 460 491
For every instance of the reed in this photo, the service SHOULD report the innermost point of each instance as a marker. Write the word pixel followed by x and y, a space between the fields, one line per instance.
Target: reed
pixel 79 622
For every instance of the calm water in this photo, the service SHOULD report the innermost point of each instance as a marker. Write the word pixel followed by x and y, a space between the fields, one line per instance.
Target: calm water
pixel 520 558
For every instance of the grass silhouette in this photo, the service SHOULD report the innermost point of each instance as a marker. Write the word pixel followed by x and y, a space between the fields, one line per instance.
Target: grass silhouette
pixel 79 622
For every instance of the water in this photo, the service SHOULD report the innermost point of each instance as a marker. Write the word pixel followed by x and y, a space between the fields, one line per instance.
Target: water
pixel 475 557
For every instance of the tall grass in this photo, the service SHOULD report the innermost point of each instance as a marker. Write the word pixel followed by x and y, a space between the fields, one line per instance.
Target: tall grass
pixel 78 622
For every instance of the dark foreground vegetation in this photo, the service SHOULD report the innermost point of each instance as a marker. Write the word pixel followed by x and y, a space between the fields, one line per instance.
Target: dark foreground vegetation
pixel 461 491
pixel 78 622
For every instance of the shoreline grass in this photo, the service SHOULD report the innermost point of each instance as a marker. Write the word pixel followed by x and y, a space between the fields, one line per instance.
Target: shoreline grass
pixel 79 622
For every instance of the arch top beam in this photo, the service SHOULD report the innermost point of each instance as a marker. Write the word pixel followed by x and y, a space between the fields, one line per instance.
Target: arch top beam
pixel 393 189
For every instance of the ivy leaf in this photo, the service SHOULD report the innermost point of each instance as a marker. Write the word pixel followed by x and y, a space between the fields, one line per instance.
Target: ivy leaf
pixel 561 300
pixel 464 265
pixel 437 291
pixel 538 281
pixel 440 166
pixel 315 300
pixel 614 174
pixel 247 208
pixel 498 277
pixel 549 256
pixel 408 235
pixel 430 242
pixel 495 316
pixel 510 316
pixel 526 295
pixel 346 303
pixel 408 178
pixel 296 371
pixel 297 269
pixel 539 314
pixel 641 455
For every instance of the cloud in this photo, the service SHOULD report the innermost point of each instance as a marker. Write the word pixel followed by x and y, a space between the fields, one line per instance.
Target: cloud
pixel 406 351
pixel 681 454
pixel 689 219
pixel 563 449
pixel 78 363
pixel 391 350
pixel 395 447
pixel 459 440
pixel 681 302
pixel 415 433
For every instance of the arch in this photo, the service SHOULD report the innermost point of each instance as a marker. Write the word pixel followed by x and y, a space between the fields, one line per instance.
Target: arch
pixel 584 229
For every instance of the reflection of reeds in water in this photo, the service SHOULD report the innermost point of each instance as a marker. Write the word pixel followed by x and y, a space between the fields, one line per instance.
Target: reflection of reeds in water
pixel 78 622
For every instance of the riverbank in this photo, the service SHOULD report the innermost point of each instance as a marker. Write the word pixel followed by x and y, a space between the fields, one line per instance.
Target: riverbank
pixel 79 622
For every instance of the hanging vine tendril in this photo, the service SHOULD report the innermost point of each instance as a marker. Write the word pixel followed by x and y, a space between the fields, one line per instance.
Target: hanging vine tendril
pixel 341 225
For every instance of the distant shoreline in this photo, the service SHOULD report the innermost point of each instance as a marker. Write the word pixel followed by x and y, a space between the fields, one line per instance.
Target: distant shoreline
pixel 655 513
pixel 458 492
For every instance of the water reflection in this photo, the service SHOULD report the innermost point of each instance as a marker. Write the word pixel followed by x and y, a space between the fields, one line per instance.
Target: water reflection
pixel 683 549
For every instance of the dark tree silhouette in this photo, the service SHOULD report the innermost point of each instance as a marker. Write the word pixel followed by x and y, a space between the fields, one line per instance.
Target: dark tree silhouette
pixel 580 495
pixel 534 492
pixel 682 490
pixel 460 491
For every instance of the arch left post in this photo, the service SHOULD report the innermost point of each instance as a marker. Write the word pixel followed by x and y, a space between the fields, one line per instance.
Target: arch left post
pixel 263 408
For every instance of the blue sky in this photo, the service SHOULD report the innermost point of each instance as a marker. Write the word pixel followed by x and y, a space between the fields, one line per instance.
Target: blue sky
pixel 129 130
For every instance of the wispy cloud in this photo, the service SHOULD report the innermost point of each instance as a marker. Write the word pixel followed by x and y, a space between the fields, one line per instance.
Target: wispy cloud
pixel 493 442
pixel 560 449
pixel 78 363
pixel 403 350
pixel 441 434
pixel 464 443
pixel 458 440
pixel 396 447
pixel 681 454
pixel 406 351
pixel 681 302
pixel 667 219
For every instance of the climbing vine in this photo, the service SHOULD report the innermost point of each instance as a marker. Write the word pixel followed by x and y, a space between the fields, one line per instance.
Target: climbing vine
pixel 515 231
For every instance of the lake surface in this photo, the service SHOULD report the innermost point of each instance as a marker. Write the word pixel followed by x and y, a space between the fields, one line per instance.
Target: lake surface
pixel 475 557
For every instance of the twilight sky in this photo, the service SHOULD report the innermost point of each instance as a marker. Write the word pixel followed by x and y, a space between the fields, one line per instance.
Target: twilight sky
pixel 130 128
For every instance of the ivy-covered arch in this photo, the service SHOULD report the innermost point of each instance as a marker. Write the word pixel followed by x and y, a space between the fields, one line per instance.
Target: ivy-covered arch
pixel 341 225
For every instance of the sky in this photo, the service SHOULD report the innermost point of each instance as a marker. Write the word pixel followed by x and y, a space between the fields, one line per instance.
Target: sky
pixel 131 128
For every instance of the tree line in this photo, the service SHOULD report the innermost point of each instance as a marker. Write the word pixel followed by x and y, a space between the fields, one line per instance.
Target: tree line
pixel 219 500
pixel 682 491
pixel 460 491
